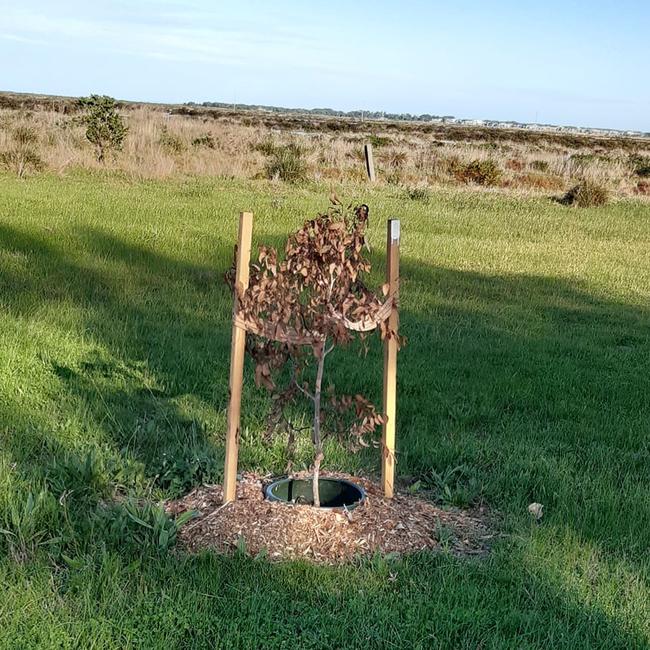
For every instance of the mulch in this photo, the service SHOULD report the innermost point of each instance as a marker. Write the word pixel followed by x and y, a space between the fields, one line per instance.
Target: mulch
pixel 402 525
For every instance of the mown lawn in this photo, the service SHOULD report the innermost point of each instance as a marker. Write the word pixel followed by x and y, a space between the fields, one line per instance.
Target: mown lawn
pixel 526 378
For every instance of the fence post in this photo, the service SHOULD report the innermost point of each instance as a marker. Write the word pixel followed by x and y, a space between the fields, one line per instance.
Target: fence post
pixel 237 350
pixel 370 161
pixel 390 361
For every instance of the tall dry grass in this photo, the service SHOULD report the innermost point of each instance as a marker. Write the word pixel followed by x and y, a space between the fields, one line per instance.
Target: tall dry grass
pixel 160 144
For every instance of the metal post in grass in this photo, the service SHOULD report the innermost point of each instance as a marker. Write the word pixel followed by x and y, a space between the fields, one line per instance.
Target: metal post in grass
pixel 370 161
pixel 391 344
pixel 237 351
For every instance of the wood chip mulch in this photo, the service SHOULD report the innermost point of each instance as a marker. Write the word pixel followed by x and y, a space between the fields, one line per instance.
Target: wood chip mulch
pixel 404 524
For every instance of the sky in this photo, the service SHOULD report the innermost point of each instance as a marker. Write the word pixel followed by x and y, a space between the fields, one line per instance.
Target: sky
pixel 580 63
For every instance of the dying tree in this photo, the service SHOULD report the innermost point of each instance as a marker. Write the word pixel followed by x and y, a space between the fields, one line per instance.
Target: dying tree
pixel 298 310
pixel 105 127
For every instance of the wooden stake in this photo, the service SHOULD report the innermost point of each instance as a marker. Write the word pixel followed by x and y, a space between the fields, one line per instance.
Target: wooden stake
pixel 237 350
pixel 370 162
pixel 390 362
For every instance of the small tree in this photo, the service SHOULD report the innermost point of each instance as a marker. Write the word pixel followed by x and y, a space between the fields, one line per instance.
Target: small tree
pixel 105 127
pixel 302 307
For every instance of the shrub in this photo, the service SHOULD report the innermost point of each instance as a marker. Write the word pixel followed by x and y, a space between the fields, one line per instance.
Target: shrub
pixel 170 141
pixel 539 165
pixel 586 194
pixel 286 163
pixel 641 165
pixel 204 141
pixel 481 172
pixel 105 127
pixel 22 156
pixel 379 141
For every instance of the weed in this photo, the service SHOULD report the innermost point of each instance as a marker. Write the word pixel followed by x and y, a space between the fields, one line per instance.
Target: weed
pixel 180 472
pixel 82 480
pixel 457 486
pixel 138 528
pixel 27 525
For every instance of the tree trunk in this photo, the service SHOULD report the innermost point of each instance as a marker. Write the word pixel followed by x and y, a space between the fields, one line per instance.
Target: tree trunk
pixel 317 439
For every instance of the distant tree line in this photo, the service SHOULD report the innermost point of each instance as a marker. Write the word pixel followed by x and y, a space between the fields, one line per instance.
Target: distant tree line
pixel 329 112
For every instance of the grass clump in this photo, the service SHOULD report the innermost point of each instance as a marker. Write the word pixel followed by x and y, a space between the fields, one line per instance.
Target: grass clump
pixel 586 194
pixel 419 193
pixel 285 162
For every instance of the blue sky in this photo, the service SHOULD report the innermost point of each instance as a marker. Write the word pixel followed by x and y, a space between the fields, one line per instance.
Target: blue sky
pixel 577 63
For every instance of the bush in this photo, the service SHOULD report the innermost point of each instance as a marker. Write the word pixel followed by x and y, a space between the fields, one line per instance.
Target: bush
pixel 170 141
pixel 204 141
pixel 539 165
pixel 481 172
pixel 641 165
pixel 286 163
pixel 22 157
pixel 105 127
pixel 379 141
pixel 586 194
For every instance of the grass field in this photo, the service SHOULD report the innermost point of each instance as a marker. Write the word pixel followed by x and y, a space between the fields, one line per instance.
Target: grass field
pixel 526 378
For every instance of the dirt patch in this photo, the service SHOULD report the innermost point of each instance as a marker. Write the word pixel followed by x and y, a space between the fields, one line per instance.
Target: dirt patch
pixel 404 524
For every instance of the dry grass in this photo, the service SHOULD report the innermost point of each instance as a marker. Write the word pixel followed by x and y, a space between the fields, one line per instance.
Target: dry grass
pixel 163 143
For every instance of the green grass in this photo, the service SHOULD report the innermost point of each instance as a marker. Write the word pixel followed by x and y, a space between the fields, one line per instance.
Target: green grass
pixel 528 368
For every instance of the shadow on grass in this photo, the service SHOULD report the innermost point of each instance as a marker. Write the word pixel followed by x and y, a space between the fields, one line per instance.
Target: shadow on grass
pixel 537 387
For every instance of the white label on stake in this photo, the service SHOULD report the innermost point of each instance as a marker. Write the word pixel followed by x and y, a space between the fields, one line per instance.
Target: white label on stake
pixel 394 230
